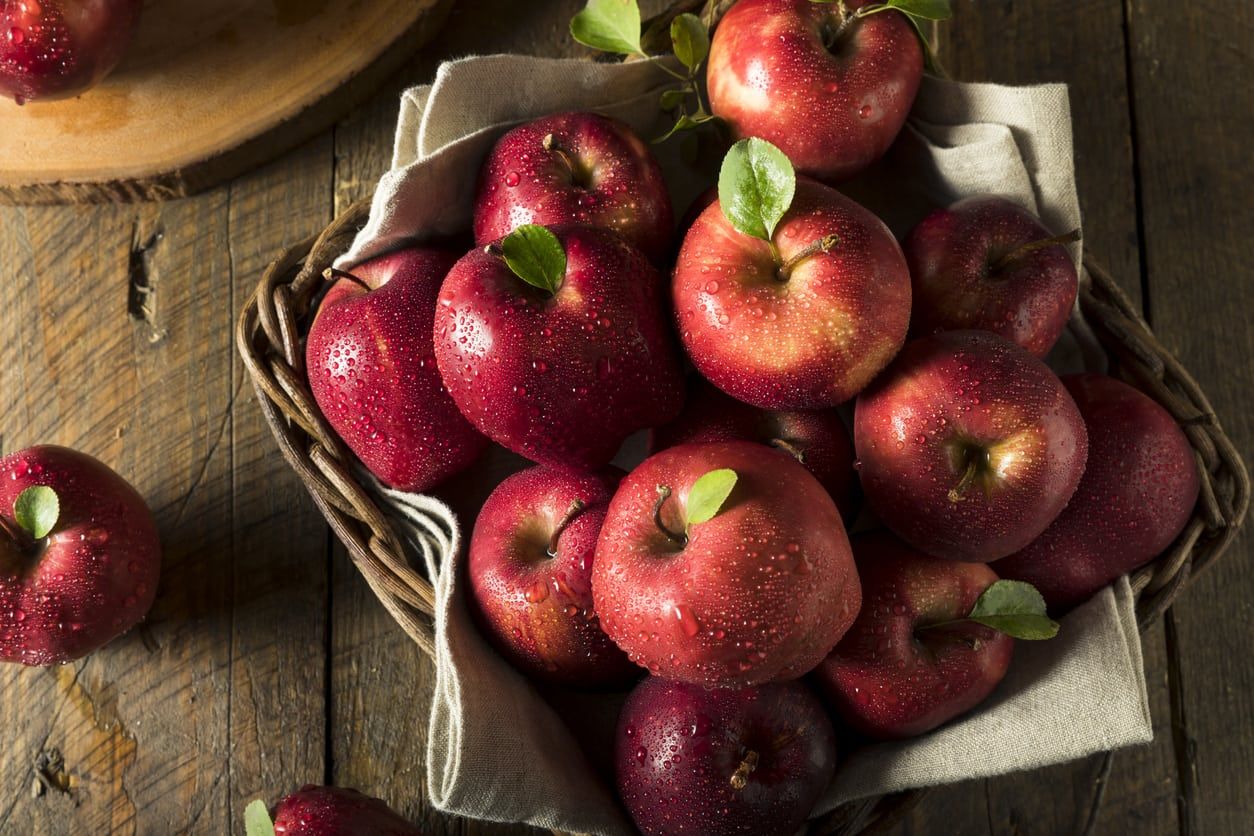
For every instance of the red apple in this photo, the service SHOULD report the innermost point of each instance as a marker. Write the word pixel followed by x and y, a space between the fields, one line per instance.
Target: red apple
pixel 560 376
pixel 989 264
pixel 760 592
pixel 968 446
pixel 54 49
pixel 330 811
pixel 72 588
pixel 722 762
pixel 531 576
pixel 832 90
pixel 797 331
pixel 575 168
pixel 372 371
pixel 817 439
pixel 1137 493
pixel 911 662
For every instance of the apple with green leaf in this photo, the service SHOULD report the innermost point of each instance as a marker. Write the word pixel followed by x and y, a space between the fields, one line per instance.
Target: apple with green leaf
pixel 788 295
pixel 79 556
pixel 932 641
pixel 724 565
pixel 555 345
pixel 829 83
pixel 326 811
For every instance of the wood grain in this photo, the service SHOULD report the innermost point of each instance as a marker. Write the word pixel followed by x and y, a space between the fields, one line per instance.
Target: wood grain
pixel 208 90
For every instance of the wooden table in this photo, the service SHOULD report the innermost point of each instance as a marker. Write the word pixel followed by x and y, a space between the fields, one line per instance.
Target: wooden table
pixel 267 663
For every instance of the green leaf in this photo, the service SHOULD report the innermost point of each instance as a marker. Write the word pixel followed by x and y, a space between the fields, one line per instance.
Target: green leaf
pixel 922 9
pixel 707 495
pixel 536 256
pixel 672 99
pixel 37 510
pixel 257 820
pixel 690 40
pixel 609 25
pixel 755 186
pixel 685 123
pixel 1016 609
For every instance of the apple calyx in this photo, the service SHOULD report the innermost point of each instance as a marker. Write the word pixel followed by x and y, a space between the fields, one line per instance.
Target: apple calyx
pixel 977 468
pixel 576 508
pixel 1031 247
pixel 1014 608
pixel 257 821
pixel 740 778
pixel 334 273
pixel 35 513
pixel 535 255
pixel 679 538
pixel 579 176
pixel 822 246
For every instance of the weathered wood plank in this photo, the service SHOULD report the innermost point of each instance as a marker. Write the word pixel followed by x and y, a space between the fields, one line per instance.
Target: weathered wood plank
pixel 1194 105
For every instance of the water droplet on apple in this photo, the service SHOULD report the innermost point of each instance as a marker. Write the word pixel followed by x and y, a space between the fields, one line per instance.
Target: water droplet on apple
pixel 687 620
pixel 19 615
pixel 865 111
pixel 17 37
pixel 511 179
pixel 712 287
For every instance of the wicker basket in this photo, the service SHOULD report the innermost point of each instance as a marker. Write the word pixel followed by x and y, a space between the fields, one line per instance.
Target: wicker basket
pixel 269 337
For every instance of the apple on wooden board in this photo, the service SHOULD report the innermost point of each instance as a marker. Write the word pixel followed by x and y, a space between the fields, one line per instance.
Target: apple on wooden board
pixel 575 168
pixel 530 568
pixel 829 83
pixel 79 556
pixel 933 639
pixel 724 565
pixel 1138 491
pixel 788 295
pixel 555 345
pixel 722 761
pixel 326 811
pixel 54 49
pixel 968 446
pixel 987 263
pixel 372 370
pixel 816 438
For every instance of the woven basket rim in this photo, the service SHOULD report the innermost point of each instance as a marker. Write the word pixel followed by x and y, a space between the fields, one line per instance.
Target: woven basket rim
pixel 269 340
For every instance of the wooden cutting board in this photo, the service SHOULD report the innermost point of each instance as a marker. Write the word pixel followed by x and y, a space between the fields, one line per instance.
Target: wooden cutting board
pixel 209 89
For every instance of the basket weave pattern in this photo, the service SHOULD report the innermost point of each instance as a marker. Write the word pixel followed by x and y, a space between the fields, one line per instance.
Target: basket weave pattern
pixel 269 336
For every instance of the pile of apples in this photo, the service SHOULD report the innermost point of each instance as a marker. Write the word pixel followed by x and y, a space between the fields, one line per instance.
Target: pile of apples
pixel 719 568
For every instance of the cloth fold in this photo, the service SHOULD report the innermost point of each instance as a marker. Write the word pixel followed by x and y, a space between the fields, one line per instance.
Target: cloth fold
pixel 500 749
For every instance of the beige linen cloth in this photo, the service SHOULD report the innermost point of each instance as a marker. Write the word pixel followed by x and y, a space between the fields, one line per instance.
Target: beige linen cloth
pixel 497 748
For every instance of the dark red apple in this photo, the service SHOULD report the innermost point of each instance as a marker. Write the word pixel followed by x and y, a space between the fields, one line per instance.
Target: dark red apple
pixel 85 570
pixel 989 264
pixel 722 762
pixel 968 446
pixel 530 568
pixel 911 662
pixel 832 90
pixel 54 49
pixel 817 439
pixel 563 376
pixel 783 330
pixel 1137 493
pixel 329 811
pixel 372 371
pixel 575 168
pixel 760 592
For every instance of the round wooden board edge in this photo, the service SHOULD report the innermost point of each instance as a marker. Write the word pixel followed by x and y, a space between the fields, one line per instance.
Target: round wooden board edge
pixel 258 151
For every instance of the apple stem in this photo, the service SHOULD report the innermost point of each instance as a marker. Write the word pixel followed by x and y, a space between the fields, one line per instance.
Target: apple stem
pixel 576 508
pixel 575 171
pixel 663 494
pixel 832 36
pixel 789 448
pixel 1031 247
pixel 740 778
pixel 336 273
pixel 823 245
pixel 958 492
pixel 20 537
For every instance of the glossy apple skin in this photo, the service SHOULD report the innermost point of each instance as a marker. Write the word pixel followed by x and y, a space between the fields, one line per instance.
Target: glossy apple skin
pixel 54 49
pixel 562 379
pixel 833 113
pixel 811 342
pixel 373 373
pixel 890 679
pixel 93 578
pixel 537 608
pixel 952 253
pixel 818 439
pixel 760 593
pixel 332 811
pixel 953 398
pixel 616 183
pixel 678 747
pixel 1137 493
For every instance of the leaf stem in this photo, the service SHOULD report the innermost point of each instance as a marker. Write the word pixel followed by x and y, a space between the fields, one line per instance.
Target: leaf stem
pixel 576 508
pixel 661 65
pixel 1031 247
pixel 663 494
pixel 823 245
